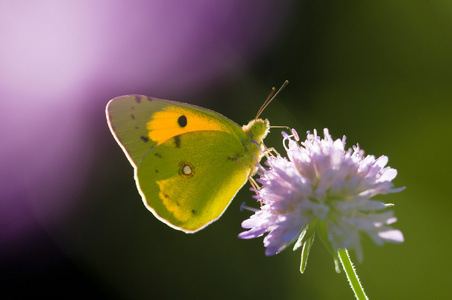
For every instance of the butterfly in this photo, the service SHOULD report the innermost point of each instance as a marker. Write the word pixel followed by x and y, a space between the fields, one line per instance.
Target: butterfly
pixel 189 162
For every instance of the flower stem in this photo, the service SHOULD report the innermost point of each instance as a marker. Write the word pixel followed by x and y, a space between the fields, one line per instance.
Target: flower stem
pixel 351 275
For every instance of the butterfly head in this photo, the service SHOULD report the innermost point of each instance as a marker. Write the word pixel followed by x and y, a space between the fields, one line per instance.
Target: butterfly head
pixel 257 129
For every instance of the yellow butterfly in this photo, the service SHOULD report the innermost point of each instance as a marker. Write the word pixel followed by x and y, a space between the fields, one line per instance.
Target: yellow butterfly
pixel 189 161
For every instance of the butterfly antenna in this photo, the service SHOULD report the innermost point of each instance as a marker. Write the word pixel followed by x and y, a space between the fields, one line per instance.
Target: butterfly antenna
pixel 264 105
pixel 270 97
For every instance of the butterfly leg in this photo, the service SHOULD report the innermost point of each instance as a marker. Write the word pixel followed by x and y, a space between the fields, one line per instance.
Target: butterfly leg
pixel 255 186
pixel 270 151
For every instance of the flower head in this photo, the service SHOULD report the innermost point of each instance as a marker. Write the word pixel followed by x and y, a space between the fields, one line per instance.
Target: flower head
pixel 322 188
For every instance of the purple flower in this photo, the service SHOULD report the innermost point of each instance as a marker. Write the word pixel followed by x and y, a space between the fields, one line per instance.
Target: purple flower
pixel 322 188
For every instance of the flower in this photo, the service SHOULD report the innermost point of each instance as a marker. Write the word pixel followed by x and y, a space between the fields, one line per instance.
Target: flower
pixel 322 188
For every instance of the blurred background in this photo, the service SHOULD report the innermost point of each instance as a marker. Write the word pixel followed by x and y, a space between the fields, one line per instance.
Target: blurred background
pixel 72 223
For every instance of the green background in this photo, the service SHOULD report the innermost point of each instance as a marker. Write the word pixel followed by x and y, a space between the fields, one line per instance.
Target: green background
pixel 378 72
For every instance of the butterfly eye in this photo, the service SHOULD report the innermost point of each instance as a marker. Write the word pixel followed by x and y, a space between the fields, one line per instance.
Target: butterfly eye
pixel 186 169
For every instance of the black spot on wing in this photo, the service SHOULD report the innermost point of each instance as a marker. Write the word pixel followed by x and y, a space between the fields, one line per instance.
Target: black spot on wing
pixel 177 141
pixel 193 211
pixel 144 139
pixel 138 99
pixel 157 155
pixel 182 121
pixel 132 116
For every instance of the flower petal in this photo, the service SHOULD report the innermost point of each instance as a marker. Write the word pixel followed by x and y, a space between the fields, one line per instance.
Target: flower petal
pixel 325 187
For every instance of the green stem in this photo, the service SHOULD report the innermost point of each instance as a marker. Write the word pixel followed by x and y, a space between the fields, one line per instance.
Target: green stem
pixel 351 274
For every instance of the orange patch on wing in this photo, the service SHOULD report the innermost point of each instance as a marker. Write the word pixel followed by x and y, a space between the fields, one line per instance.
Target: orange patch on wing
pixel 164 124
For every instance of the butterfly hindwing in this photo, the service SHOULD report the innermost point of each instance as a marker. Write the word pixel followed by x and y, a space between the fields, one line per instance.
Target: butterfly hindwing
pixel 189 180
